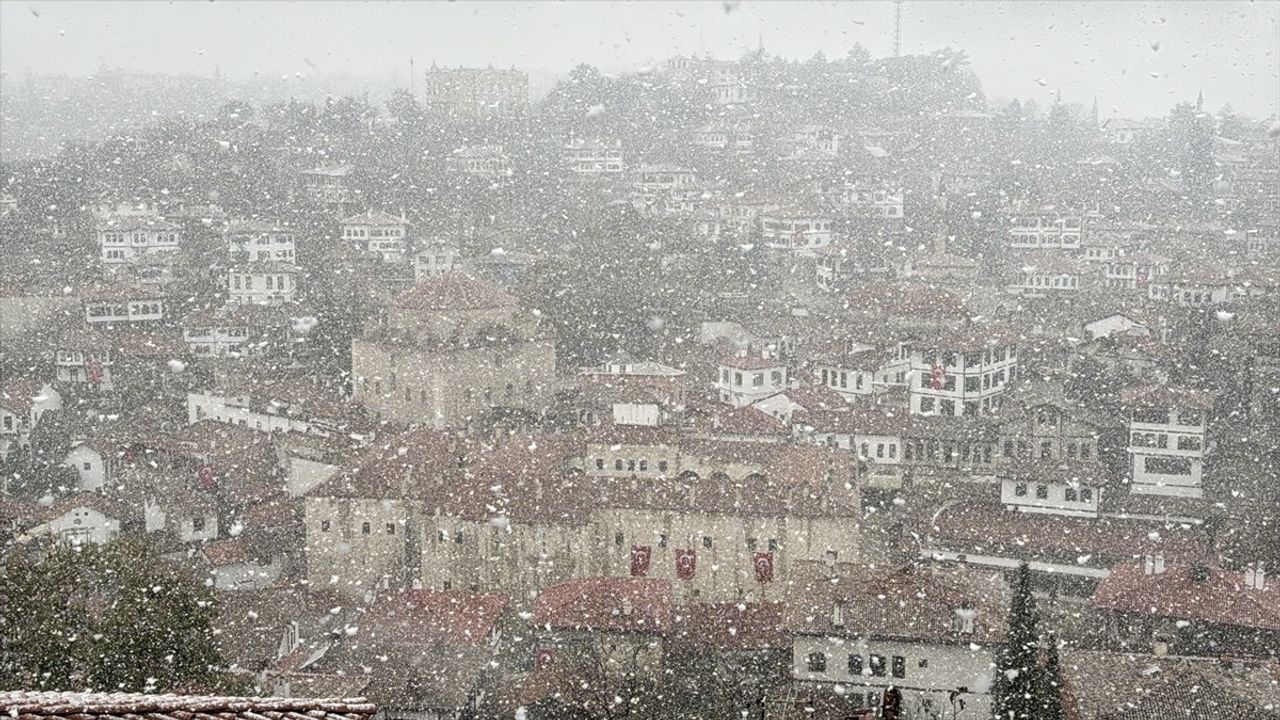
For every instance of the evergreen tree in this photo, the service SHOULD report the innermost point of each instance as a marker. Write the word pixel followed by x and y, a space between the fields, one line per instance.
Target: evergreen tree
pixel 114 618
pixel 1049 690
pixel 1014 691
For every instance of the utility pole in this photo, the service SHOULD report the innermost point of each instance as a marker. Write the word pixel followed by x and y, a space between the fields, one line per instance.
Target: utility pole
pixel 897 28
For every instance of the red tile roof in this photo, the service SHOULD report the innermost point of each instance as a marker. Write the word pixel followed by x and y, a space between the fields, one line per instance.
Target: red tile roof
pixel 453 291
pixel 427 617
pixel 19 396
pixel 1163 396
pixel 730 626
pixel 1221 598
pixel 110 706
pixel 749 421
pixel 751 362
pixel 225 552
pixel 618 604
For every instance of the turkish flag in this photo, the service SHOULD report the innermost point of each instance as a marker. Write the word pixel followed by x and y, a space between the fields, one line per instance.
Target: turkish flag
pixel 686 563
pixel 763 562
pixel 937 376
pixel 93 370
pixel 1141 279
pixel 544 658
pixel 207 477
pixel 797 238
pixel 640 560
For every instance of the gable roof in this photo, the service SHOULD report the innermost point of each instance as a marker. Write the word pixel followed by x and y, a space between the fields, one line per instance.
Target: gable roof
pixel 86 706
pixel 428 617
pixel 374 217
pixel 1221 598
pixel 618 604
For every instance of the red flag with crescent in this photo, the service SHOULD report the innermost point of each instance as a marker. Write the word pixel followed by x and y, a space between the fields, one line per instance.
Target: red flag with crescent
pixel 1141 279
pixel 640 560
pixel 763 562
pixel 93 370
pixel 544 658
pixel 937 376
pixel 686 563
pixel 207 476
pixel 797 238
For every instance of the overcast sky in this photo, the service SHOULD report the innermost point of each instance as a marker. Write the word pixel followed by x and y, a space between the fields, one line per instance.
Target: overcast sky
pixel 1139 58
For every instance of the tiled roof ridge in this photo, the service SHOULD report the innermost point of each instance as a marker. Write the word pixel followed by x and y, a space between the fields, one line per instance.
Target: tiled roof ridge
pixel 24 704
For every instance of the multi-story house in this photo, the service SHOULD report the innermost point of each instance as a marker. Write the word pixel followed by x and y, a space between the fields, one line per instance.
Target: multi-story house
pixel 1045 230
pixel 876 201
pixel 22 403
pixel 797 231
pixel 490 162
pixel 876 436
pixel 125 239
pixel 865 369
pixel 1048 274
pixel 260 240
pixel 450 349
pixel 1194 287
pixel 477 92
pixel 101 361
pixel 1067 488
pixel 1136 271
pixel 327 188
pixel 262 283
pixel 962 373
pixel 916 642
pixel 1168 439
pixel 728 87
pixel 119 304
pixel 745 379
pixel 594 158
pixel 435 257
pixel 378 232
pixel 239 330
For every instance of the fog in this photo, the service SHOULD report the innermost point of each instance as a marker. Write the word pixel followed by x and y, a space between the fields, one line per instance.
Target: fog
pixel 1135 57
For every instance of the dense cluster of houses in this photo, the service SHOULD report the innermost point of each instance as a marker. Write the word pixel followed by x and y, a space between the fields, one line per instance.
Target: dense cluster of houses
pixel 825 495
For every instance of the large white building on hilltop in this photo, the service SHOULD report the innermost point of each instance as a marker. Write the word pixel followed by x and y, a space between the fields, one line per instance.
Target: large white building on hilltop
pixel 378 232
pixel 259 240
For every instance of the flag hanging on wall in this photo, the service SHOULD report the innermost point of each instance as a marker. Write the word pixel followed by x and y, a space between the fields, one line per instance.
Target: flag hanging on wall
pixel 640 560
pixel 686 563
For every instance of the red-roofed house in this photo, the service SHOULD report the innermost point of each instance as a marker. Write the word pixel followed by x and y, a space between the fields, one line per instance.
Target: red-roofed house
pixel 617 623
pixel 1191 609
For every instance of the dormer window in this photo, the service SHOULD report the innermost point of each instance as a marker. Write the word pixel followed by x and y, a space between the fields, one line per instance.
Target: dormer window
pixel 965 616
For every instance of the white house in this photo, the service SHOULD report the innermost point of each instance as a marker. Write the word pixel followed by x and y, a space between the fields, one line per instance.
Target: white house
pixel 262 283
pixel 91 464
pixel 326 187
pixel 22 403
pixel 728 87
pixel 865 369
pixel 1193 288
pixel 120 304
pixel 484 161
pixel 1045 229
pixel 598 158
pixel 436 257
pixel 87 517
pixel 922 639
pixel 747 379
pixel 1071 489
pixel 1136 271
pixel 1168 439
pixel 1046 274
pixel 269 415
pixel 259 240
pixel 233 568
pixel 875 201
pixel 125 239
pixel 238 330
pixel 964 373
pixel 798 232
pixel 378 232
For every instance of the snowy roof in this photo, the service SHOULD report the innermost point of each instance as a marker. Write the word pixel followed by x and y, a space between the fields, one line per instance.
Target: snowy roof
pixel 1219 597
pixel 374 217
pixel 611 604
pixel 85 706
pixel 453 291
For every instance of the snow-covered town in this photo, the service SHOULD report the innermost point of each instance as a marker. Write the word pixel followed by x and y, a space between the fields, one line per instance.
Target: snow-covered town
pixel 747 382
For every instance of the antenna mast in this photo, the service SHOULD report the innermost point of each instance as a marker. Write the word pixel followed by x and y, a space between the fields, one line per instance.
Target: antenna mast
pixel 897 28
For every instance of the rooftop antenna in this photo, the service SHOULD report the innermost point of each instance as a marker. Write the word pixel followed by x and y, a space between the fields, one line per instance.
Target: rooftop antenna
pixel 897 28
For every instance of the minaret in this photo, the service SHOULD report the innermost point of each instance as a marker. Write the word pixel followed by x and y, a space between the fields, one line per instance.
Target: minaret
pixel 1093 114
pixel 1200 100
